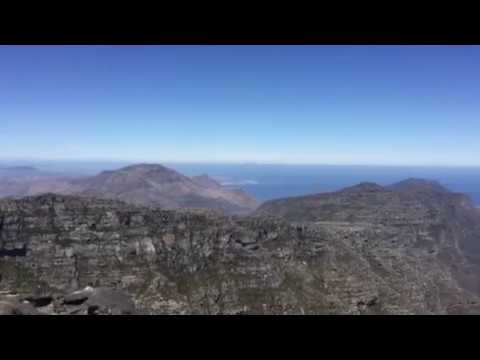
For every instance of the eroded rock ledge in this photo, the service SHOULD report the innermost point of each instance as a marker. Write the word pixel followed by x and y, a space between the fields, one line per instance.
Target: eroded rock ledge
pixel 181 262
pixel 87 301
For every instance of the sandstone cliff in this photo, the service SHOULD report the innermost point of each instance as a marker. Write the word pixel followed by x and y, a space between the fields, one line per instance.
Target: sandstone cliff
pixel 197 262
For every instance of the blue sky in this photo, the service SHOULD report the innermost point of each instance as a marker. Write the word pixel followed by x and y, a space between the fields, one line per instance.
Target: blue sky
pixel 386 105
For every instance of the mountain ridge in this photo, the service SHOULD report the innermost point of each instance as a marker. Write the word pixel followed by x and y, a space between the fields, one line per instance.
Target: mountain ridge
pixel 183 262
pixel 146 184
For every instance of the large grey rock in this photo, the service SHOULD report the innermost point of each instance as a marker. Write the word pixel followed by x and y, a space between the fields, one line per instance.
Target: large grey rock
pixel 26 308
pixel 13 307
pixel 382 254
pixel 7 308
pixel 78 297
pixel 109 301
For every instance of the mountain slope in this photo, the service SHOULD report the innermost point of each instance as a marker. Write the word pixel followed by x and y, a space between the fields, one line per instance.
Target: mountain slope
pixel 180 262
pixel 206 181
pixel 157 185
pixel 417 213
pixel 22 181
pixel 409 201
pixel 146 184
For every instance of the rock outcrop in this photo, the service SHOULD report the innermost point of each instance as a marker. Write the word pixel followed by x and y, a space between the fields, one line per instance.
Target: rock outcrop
pixel 419 214
pixel 198 262
pixel 87 301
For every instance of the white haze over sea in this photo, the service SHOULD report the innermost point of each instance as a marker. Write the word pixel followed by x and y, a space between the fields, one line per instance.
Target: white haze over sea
pixel 238 182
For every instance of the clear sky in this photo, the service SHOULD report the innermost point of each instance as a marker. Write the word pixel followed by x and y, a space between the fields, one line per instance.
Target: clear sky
pixel 393 105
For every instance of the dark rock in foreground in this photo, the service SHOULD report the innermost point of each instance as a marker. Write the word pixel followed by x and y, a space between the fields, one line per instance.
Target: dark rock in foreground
pixel 88 301
pixel 391 258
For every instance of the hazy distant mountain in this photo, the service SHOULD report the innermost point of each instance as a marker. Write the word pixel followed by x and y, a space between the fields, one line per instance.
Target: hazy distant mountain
pixel 12 188
pixel 19 173
pixel 18 168
pixel 18 181
pixel 143 184
pixel 206 181
pixel 148 184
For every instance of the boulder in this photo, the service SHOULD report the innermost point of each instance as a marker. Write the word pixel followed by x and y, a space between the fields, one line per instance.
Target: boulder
pixel 26 308
pixel 38 300
pixel 13 307
pixel 78 297
pixel 7 308
pixel 109 301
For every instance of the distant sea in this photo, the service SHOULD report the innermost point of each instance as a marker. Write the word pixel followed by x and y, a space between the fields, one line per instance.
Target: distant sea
pixel 267 182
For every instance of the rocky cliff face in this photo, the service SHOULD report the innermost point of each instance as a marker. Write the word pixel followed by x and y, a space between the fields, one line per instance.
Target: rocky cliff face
pixel 420 215
pixel 197 262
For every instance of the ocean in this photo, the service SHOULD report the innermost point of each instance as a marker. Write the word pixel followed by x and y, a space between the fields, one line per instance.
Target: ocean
pixel 266 182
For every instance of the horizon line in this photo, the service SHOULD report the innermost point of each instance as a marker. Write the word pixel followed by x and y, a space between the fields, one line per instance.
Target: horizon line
pixel 246 162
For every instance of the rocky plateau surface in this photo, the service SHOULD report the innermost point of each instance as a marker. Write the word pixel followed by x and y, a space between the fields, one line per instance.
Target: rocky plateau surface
pixel 363 250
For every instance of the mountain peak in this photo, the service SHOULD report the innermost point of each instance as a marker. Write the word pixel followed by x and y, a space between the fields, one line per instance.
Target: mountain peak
pixel 154 184
pixel 364 187
pixel 139 173
pixel 418 184
pixel 145 168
